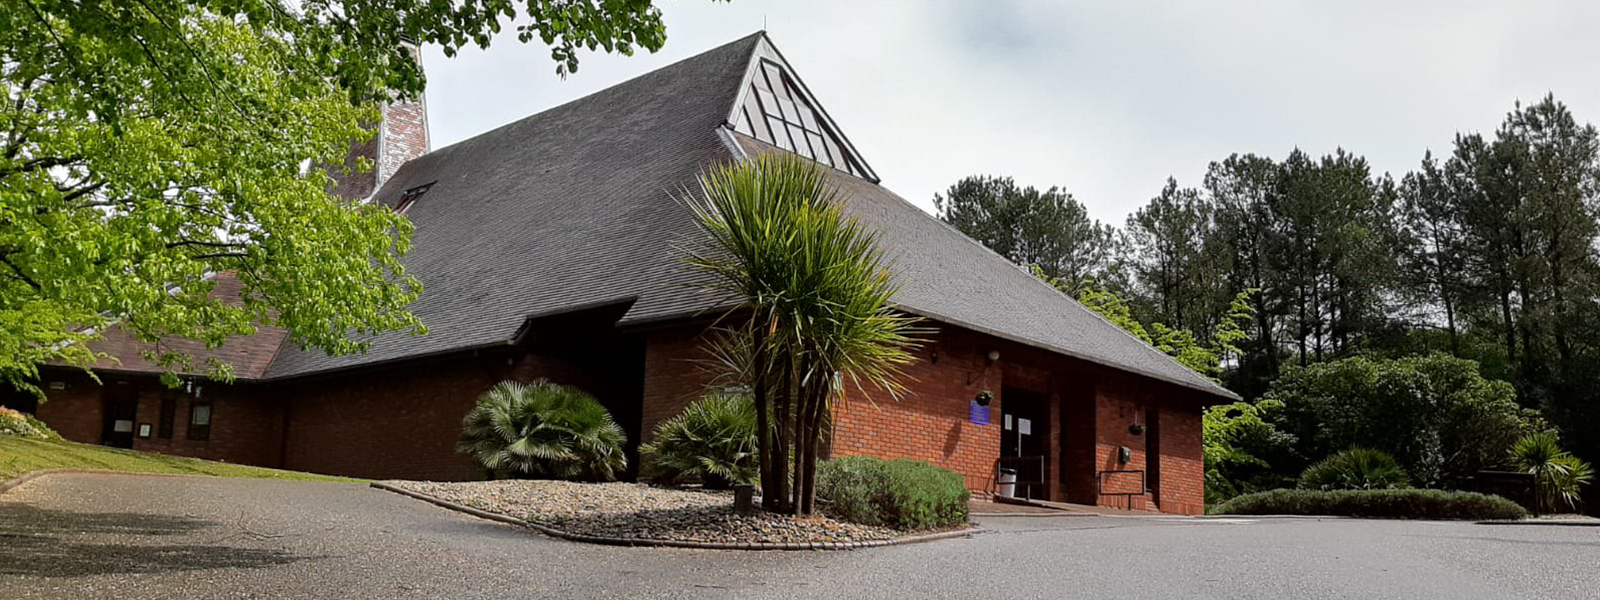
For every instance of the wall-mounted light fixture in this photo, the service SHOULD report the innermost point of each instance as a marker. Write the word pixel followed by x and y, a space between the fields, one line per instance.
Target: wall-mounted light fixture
pixel 993 356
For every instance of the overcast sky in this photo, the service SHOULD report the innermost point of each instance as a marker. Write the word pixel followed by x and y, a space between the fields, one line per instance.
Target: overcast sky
pixel 1105 99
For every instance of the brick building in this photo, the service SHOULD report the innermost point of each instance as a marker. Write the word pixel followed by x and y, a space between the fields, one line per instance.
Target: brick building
pixel 545 250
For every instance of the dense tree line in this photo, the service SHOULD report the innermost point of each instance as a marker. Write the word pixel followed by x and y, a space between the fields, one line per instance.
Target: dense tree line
pixel 1486 252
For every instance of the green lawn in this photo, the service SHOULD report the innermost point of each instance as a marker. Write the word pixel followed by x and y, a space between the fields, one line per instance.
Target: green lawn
pixel 20 455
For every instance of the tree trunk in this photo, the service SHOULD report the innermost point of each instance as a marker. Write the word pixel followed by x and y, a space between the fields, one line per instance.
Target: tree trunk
pixel 780 466
pixel 759 394
pixel 801 435
pixel 808 468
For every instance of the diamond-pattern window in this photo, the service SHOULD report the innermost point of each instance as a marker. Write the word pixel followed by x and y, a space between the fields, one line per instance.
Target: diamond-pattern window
pixel 778 113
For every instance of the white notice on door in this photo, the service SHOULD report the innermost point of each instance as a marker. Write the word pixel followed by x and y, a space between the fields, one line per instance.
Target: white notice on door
pixel 1025 426
pixel 1008 422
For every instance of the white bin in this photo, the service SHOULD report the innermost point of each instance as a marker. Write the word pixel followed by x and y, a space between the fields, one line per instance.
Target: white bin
pixel 1006 485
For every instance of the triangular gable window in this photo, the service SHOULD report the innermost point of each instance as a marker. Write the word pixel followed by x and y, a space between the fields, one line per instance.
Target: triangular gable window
pixel 777 112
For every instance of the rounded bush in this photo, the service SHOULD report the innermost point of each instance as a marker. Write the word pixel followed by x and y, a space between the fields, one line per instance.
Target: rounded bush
pixel 713 442
pixel 542 429
pixel 1355 469
pixel 1376 504
pixel 21 424
pixel 899 493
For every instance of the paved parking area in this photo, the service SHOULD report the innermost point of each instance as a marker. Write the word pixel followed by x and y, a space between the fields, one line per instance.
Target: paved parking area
pixel 125 536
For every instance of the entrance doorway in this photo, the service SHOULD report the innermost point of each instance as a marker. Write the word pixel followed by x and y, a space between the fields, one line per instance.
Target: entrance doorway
pixel 120 407
pixel 1025 439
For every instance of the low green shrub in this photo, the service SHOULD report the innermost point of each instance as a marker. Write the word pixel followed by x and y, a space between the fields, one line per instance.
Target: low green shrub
pixel 543 430
pixel 713 442
pixel 1355 469
pixel 899 493
pixel 21 424
pixel 1376 504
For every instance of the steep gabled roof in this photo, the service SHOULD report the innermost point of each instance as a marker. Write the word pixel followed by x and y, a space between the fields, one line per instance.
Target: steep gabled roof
pixel 951 278
pixel 574 206
pixel 579 206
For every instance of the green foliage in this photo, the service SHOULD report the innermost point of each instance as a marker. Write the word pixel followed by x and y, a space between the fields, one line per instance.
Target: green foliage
pixel 814 306
pixel 1355 469
pixel 1181 345
pixel 1049 229
pixel 148 145
pixel 900 493
pixel 542 429
pixel 1559 476
pixel 1239 442
pixel 24 425
pixel 1435 414
pixel 713 441
pixel 1376 504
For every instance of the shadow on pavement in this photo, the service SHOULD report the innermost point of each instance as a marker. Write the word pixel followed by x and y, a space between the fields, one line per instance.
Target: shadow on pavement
pixel 49 543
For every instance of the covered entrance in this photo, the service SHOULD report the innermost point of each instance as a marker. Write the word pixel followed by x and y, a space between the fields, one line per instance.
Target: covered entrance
pixel 120 406
pixel 1024 443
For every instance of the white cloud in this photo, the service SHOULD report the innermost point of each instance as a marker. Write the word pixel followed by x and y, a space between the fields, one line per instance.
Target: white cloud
pixel 1105 99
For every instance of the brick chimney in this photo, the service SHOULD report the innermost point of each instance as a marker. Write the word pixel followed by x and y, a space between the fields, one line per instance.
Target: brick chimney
pixel 402 135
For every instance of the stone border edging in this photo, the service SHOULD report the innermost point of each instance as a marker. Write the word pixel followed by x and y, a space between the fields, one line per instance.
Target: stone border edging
pixel 1054 515
pixel 617 541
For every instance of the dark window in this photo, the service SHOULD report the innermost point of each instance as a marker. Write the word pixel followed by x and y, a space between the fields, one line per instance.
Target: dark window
pixel 169 414
pixel 200 421
pixel 410 196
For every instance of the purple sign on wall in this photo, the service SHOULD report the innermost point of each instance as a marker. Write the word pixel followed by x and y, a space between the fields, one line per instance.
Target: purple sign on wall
pixel 977 413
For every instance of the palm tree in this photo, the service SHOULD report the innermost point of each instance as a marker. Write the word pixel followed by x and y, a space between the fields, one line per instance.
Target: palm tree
pixel 815 312
pixel 542 429
pixel 713 441
pixel 1557 475
pixel 1356 469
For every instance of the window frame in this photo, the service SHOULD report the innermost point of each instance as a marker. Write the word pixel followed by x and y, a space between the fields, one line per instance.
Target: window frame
pixel 166 422
pixel 200 432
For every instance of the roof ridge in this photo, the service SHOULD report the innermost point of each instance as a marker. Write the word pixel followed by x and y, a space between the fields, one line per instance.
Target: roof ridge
pixel 748 39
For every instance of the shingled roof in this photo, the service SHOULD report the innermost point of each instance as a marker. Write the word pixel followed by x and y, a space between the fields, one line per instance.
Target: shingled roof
pixel 579 207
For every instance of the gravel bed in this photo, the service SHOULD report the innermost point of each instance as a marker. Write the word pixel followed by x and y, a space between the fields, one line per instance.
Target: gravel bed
pixel 633 510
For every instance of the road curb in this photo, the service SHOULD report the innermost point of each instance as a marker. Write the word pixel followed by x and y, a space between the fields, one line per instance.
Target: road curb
pixel 640 542
pixel 1536 523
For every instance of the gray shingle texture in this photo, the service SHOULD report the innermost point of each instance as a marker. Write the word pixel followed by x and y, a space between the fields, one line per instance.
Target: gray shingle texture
pixel 580 205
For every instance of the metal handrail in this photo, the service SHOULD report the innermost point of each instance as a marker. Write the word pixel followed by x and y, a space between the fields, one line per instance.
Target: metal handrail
pixel 1144 482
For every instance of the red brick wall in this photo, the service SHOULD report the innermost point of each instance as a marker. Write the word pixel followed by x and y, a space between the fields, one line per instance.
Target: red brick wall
pixel 1118 404
pixel 244 428
pixel 1182 487
pixel 674 374
pixel 74 412
pixel 395 423
pixel 402 134
pixel 931 421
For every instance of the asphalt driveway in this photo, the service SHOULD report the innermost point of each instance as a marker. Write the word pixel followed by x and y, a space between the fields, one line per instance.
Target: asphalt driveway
pixel 125 536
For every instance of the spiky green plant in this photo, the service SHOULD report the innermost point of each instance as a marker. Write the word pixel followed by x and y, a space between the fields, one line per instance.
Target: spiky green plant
pixel 1355 469
pixel 543 430
pixel 713 441
pixel 815 312
pixel 1558 476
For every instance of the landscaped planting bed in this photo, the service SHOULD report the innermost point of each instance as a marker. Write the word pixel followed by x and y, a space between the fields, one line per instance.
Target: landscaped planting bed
pixel 642 512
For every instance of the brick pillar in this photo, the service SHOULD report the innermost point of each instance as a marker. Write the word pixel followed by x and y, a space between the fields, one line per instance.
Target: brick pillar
pixel 402 134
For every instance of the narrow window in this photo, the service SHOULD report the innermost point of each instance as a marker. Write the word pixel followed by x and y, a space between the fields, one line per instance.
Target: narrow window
pixel 169 414
pixel 410 196
pixel 200 421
